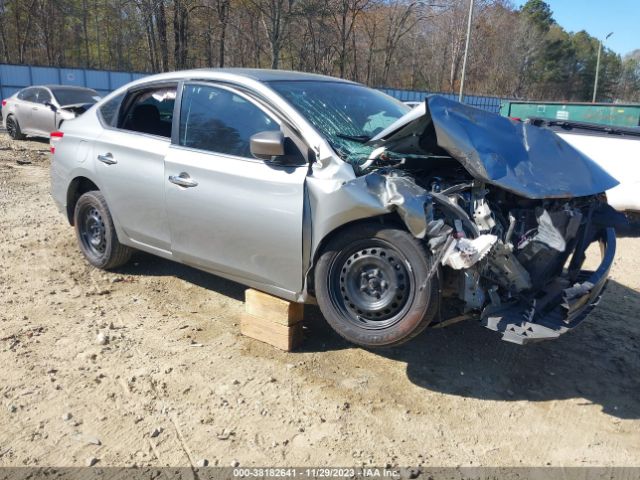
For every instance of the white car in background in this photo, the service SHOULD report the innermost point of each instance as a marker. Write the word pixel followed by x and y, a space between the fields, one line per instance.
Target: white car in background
pixel 39 110
pixel 616 149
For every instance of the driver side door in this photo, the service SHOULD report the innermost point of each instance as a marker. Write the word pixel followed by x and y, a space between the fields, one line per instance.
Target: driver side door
pixel 229 212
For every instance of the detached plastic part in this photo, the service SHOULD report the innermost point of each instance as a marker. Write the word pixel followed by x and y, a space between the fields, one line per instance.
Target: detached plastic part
pixel 561 310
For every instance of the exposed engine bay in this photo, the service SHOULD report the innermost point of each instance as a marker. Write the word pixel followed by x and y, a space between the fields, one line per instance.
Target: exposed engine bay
pixel 507 212
pixel 509 260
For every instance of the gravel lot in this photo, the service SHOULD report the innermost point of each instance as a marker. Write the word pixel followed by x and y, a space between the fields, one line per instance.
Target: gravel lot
pixel 146 366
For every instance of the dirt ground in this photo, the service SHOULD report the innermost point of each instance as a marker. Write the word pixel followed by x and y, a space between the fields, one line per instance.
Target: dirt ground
pixel 175 383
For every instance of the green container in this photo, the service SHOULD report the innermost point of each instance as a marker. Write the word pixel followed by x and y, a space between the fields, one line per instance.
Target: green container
pixel 614 114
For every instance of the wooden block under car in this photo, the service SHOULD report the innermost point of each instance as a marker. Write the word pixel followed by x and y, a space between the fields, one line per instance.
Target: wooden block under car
pixel 274 309
pixel 284 337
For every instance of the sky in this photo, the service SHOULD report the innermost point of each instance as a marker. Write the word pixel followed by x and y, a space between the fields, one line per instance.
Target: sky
pixel 600 17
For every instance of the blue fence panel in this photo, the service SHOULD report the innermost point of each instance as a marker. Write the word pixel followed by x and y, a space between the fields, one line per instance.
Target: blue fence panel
pixel 13 78
pixel 72 76
pixel 98 80
pixel 119 79
pixel 8 91
pixel 15 75
pixel 491 104
pixel 45 75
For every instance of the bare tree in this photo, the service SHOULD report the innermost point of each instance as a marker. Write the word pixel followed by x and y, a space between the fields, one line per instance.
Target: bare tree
pixel 415 44
pixel 344 14
pixel 276 17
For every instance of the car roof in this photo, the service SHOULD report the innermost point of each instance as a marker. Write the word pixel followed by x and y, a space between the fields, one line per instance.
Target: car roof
pixel 255 74
pixel 266 75
pixel 70 87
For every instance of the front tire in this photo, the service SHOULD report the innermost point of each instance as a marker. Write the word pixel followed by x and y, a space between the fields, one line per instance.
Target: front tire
pixel 96 233
pixel 13 128
pixel 370 285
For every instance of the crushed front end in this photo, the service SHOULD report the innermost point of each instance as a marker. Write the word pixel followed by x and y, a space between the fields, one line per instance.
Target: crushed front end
pixel 508 211
pixel 515 263
pixel 521 270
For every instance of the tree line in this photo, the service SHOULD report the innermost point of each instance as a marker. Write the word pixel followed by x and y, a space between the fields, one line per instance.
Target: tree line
pixel 412 44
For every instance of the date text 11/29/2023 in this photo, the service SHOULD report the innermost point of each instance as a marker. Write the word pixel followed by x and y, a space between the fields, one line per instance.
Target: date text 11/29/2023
pixel 320 472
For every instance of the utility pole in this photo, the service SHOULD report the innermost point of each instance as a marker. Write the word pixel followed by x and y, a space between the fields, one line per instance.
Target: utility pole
pixel 595 83
pixel 466 50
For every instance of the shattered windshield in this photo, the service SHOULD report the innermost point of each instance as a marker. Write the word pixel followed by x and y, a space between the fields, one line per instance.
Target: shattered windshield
pixel 346 114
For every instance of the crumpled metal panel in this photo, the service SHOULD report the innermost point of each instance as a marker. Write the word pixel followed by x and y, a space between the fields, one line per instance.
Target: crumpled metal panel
pixel 529 161
pixel 400 193
pixel 371 195
pixel 387 191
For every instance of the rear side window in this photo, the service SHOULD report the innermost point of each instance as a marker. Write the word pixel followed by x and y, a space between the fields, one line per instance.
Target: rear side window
pixel 109 110
pixel 217 120
pixel 28 95
pixel 43 96
pixel 149 111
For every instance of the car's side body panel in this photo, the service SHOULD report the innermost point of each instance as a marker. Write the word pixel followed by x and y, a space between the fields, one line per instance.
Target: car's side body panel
pixel 134 184
pixel 243 218
pixel 23 112
pixel 193 226
pixel 43 118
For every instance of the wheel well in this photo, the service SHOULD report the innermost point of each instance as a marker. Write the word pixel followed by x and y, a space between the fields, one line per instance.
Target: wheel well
pixel 78 186
pixel 389 219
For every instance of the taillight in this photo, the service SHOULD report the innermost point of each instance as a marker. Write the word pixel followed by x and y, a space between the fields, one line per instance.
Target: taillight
pixel 4 102
pixel 53 139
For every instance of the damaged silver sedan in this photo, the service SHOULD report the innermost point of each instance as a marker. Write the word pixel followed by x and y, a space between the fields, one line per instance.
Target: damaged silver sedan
pixel 316 189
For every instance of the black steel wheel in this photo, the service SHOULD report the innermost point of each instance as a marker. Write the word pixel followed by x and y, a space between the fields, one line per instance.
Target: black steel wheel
pixel 13 128
pixel 370 285
pixel 93 233
pixel 96 233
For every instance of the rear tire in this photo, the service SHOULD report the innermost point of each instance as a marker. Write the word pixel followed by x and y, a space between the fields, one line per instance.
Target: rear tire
pixel 96 233
pixel 370 285
pixel 13 128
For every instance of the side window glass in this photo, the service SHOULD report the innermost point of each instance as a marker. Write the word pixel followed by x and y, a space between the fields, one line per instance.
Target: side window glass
pixel 29 95
pixel 43 96
pixel 109 110
pixel 149 111
pixel 220 121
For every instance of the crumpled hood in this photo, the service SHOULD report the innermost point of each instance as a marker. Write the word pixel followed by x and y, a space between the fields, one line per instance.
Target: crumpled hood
pixel 529 161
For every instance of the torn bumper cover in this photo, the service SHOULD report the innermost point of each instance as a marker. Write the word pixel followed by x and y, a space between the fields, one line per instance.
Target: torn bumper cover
pixel 538 302
pixel 560 309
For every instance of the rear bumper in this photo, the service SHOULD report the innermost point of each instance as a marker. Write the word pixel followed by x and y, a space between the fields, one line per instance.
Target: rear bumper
pixel 565 307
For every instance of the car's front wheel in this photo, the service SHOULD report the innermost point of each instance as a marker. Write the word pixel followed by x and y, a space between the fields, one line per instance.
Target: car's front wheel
pixel 96 233
pixel 13 128
pixel 371 286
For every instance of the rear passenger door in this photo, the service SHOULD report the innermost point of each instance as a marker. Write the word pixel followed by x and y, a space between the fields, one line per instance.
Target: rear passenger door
pixel 24 108
pixel 228 211
pixel 43 119
pixel 129 157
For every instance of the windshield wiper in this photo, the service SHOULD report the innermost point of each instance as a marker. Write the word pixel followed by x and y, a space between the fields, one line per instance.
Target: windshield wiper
pixel 354 138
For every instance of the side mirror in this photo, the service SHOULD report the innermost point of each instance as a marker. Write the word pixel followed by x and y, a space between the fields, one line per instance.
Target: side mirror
pixel 51 106
pixel 266 145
